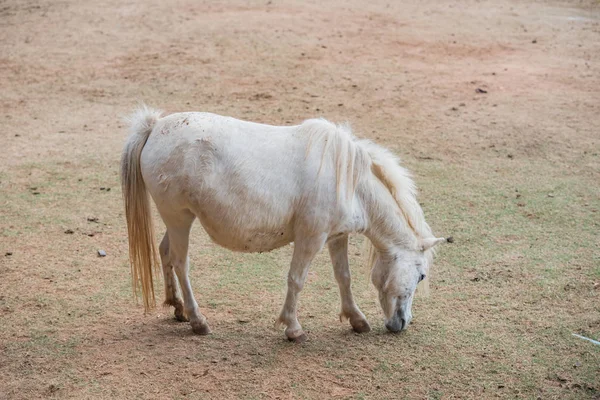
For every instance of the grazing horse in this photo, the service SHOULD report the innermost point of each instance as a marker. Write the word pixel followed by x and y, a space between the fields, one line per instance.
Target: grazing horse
pixel 258 187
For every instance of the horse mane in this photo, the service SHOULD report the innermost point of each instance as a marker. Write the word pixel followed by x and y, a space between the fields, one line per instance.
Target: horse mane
pixel 387 169
pixel 354 158
pixel 397 179
pixel 338 142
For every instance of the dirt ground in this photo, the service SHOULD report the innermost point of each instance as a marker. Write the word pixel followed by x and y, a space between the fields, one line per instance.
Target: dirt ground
pixel 494 105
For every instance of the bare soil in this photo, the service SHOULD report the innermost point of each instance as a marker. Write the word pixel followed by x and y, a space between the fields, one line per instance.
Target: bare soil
pixel 494 105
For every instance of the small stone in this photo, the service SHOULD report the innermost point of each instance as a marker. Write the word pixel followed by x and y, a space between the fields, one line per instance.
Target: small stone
pixel 569 286
pixel 92 219
pixel 534 41
pixel 69 231
pixel 8 254
pixel 550 194
pixel 480 90
pixel 101 253
pixel 561 378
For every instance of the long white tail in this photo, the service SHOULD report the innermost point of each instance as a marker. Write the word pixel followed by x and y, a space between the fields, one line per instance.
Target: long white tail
pixel 142 248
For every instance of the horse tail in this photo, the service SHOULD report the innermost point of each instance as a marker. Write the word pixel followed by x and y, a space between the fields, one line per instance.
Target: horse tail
pixel 143 257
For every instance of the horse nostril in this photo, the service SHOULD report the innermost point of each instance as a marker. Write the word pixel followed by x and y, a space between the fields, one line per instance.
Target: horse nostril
pixel 393 327
pixel 403 324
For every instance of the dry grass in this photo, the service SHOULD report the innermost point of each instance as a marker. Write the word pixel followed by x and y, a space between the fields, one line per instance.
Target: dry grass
pixel 511 174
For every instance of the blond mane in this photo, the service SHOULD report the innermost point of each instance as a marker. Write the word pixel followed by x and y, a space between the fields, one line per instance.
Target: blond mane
pixel 354 158
pixel 338 142
pixel 387 169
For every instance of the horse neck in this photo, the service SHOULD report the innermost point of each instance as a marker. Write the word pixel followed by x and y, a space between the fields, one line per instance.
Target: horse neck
pixel 386 228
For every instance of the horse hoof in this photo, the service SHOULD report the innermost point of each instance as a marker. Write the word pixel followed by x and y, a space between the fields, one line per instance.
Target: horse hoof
pixel 298 339
pixel 180 316
pixel 201 329
pixel 361 327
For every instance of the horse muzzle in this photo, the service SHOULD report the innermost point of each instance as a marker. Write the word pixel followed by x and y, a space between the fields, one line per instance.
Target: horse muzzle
pixel 398 322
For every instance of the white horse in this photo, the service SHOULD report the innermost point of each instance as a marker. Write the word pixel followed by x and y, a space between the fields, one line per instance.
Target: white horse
pixel 258 187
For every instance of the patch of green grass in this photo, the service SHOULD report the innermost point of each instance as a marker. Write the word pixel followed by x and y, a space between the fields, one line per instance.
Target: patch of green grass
pixel 435 394
pixel 44 343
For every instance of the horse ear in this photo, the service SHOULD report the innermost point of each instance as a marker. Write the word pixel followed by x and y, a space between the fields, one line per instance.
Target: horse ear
pixel 426 244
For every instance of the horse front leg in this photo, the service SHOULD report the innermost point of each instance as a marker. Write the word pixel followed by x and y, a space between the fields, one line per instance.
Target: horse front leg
pixel 338 250
pixel 305 250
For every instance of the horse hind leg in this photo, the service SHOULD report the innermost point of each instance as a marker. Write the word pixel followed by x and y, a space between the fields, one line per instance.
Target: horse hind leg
pixel 178 230
pixel 172 296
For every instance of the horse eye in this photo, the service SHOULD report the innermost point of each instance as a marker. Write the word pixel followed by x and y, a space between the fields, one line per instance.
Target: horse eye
pixel 421 277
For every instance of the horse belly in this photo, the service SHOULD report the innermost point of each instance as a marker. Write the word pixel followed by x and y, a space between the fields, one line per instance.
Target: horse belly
pixel 238 238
